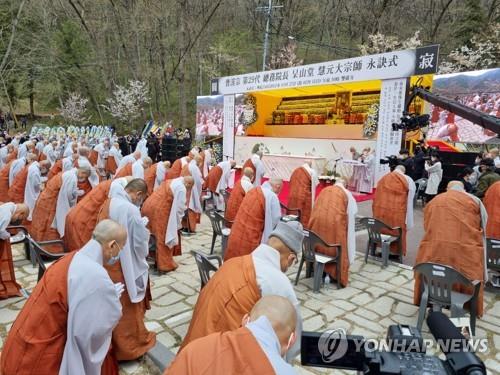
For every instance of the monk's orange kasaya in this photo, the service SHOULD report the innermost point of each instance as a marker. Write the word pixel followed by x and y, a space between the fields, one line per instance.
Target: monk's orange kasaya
pixel 234 202
pixel 175 171
pixel 16 190
pixel 491 202
pixel 125 171
pixel 300 195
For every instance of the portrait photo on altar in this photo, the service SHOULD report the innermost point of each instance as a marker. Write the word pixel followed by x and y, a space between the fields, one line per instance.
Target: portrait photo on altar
pixel 479 90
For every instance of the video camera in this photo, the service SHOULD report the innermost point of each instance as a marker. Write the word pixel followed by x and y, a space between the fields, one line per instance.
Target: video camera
pixel 411 121
pixel 404 353
pixel 392 160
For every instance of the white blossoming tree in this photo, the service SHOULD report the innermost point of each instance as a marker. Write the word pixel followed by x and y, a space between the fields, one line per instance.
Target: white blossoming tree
pixel 74 108
pixel 127 102
pixel 481 54
pixel 380 43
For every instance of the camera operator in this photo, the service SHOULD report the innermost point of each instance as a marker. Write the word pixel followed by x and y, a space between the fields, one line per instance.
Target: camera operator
pixel 418 163
pixel 406 161
pixel 435 175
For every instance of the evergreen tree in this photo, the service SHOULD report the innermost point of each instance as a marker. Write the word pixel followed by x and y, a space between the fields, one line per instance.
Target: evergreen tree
pixel 471 22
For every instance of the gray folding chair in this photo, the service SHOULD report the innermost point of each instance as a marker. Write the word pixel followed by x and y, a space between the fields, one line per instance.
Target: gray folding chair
pixel 22 235
pixel 377 238
pixel 493 263
pixel 205 265
pixel 437 290
pixel 317 261
pixel 43 257
pixel 290 213
pixel 219 228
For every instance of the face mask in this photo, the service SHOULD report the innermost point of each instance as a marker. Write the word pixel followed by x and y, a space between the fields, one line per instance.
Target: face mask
pixel 113 260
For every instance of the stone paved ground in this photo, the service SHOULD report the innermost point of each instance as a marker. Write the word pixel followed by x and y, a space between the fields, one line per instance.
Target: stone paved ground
pixel 374 299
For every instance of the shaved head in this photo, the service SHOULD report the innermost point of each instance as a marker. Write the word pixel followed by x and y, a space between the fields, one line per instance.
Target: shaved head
pixel 276 184
pixel 198 160
pixel 455 185
pixel 248 172
pixel 233 163
pixel 281 314
pixel 400 168
pixel 137 155
pixel 188 181
pixel 109 230
pixel 84 152
pixel 31 158
pixel 146 162
pixel 137 185
pixel 21 213
pixel 167 164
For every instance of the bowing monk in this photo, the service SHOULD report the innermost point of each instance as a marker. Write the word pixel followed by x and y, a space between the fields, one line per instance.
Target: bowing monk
pixel 393 203
pixel 218 180
pixel 155 175
pixel 206 155
pixel 57 168
pixel 84 161
pixel 36 174
pixel 165 209
pixel 303 183
pixel 454 224
pixel 240 282
pixel 18 186
pixel 332 219
pixel 4 179
pixel 259 213
pixel 131 339
pixel 140 166
pixel 54 203
pixel 491 202
pixel 258 347
pixel 193 169
pixel 12 154
pixel 10 213
pixel 255 162
pixel 82 219
pixel 65 325
pixel 129 159
pixel 176 169
pixel 16 167
pixel 241 188
pixel 113 160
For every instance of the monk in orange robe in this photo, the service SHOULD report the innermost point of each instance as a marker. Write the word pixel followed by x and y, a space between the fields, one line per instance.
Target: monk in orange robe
pixel 454 224
pixel 165 209
pixel 9 213
pixel 155 175
pixel 218 180
pixel 332 219
pixel 131 338
pixel 4 180
pixel 47 208
pixel 193 197
pixel 176 169
pixel 240 282
pixel 303 182
pixel 65 325
pixel 112 160
pixel 82 219
pixel 393 203
pixel 241 188
pixel 255 162
pixel 491 201
pixel 12 155
pixel 56 169
pixel 16 190
pixel 256 348
pixel 258 214
pixel 124 172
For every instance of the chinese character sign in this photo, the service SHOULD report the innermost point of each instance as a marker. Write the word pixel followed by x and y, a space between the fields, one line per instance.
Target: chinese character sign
pixel 228 132
pixel 392 99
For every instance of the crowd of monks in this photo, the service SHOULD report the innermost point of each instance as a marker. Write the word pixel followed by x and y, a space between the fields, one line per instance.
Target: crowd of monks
pixel 87 312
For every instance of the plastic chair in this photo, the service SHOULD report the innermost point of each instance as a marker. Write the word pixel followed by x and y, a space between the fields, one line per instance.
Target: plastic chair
pixel 205 265
pixel 225 194
pixel 419 193
pixel 290 212
pixel 21 236
pixel 376 238
pixel 219 228
pixel 493 261
pixel 318 261
pixel 438 281
pixel 40 256
pixel 207 197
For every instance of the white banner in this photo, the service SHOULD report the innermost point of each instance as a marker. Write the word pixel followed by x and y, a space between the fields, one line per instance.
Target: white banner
pixel 228 130
pixel 392 100
pixel 383 66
